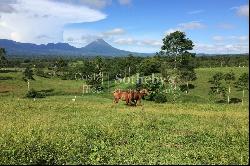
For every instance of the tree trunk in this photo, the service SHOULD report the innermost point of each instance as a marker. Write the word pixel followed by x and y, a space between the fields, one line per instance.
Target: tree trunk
pixel 175 62
pixel 228 97
pixel 243 95
pixel 28 82
pixel 187 88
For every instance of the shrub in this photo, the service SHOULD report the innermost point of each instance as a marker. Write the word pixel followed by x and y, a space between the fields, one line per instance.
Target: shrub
pixel 160 98
pixel 34 94
pixel 156 91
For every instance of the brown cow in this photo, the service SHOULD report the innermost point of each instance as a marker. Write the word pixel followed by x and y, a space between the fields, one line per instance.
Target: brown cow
pixel 123 95
pixel 136 96
pixel 129 96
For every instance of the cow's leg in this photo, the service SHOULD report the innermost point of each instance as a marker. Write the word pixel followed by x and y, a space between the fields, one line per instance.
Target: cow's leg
pixel 116 100
pixel 139 102
pixel 135 102
pixel 127 101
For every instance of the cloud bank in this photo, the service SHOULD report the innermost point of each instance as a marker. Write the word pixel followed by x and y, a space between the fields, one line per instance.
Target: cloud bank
pixel 186 26
pixel 41 21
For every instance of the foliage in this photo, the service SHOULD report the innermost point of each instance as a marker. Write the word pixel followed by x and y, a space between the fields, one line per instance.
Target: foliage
pixel 28 74
pixel 149 66
pixel 243 82
pixel 139 85
pixel 39 72
pixel 176 44
pixel 34 94
pixel 160 97
pixel 3 59
pixel 229 78
pixel 95 81
pixel 217 90
pixel 155 88
pixel 89 131
pixel 186 67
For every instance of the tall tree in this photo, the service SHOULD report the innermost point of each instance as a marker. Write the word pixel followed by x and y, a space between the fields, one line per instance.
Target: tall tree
pixel 175 44
pixel 243 84
pixel 229 78
pixel 2 57
pixel 186 69
pixel 217 87
pixel 28 73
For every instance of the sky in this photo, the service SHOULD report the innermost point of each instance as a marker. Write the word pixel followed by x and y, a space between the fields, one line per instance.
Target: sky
pixel 214 26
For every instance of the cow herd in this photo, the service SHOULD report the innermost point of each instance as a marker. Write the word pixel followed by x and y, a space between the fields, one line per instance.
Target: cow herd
pixel 132 97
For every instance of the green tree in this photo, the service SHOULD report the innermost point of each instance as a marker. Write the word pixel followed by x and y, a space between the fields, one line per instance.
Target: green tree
pixel 149 66
pixel 156 90
pixel 28 74
pixel 217 88
pixel 243 84
pixel 176 44
pixel 186 68
pixel 2 57
pixel 229 78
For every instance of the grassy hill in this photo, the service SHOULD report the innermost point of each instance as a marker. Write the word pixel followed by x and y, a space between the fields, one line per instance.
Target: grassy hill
pixel 16 87
pixel 93 130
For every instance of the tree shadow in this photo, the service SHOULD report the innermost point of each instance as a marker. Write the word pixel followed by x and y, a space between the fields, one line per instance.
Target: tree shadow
pixel 235 100
pixel 183 87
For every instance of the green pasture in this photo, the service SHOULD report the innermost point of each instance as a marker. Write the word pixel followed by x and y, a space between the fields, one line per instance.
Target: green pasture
pixel 93 130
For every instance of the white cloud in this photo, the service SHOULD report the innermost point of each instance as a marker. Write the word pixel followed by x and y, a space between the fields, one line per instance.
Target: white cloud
pixel 171 30
pixel 115 31
pixel 138 42
pixel 124 2
pixel 243 10
pixel 221 48
pixel 191 25
pixel 5 6
pixel 125 41
pixel 185 26
pixel 195 11
pixel 90 3
pixel 232 39
pixel 81 37
pixel 226 26
pixel 151 42
pixel 218 38
pixel 32 19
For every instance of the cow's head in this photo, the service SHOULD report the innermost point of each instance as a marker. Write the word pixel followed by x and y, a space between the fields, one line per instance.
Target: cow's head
pixel 144 92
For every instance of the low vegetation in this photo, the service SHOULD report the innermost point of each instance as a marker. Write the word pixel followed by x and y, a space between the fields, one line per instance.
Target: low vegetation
pixel 92 130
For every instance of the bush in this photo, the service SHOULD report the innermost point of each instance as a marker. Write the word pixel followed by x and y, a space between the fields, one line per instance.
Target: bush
pixel 34 94
pixel 160 98
pixel 235 100
pixel 155 88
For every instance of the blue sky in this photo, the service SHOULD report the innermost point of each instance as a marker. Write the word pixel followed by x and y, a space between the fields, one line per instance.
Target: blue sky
pixel 215 26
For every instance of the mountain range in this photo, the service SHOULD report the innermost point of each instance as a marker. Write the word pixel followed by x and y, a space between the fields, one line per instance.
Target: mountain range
pixel 98 47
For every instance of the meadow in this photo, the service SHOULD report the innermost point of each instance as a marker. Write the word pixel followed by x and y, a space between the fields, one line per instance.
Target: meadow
pixel 93 130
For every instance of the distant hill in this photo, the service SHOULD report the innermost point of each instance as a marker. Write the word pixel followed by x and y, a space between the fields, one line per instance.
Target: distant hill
pixel 95 48
pixel 204 54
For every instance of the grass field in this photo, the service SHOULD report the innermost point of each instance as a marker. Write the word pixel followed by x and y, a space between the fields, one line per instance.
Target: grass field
pixel 92 130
